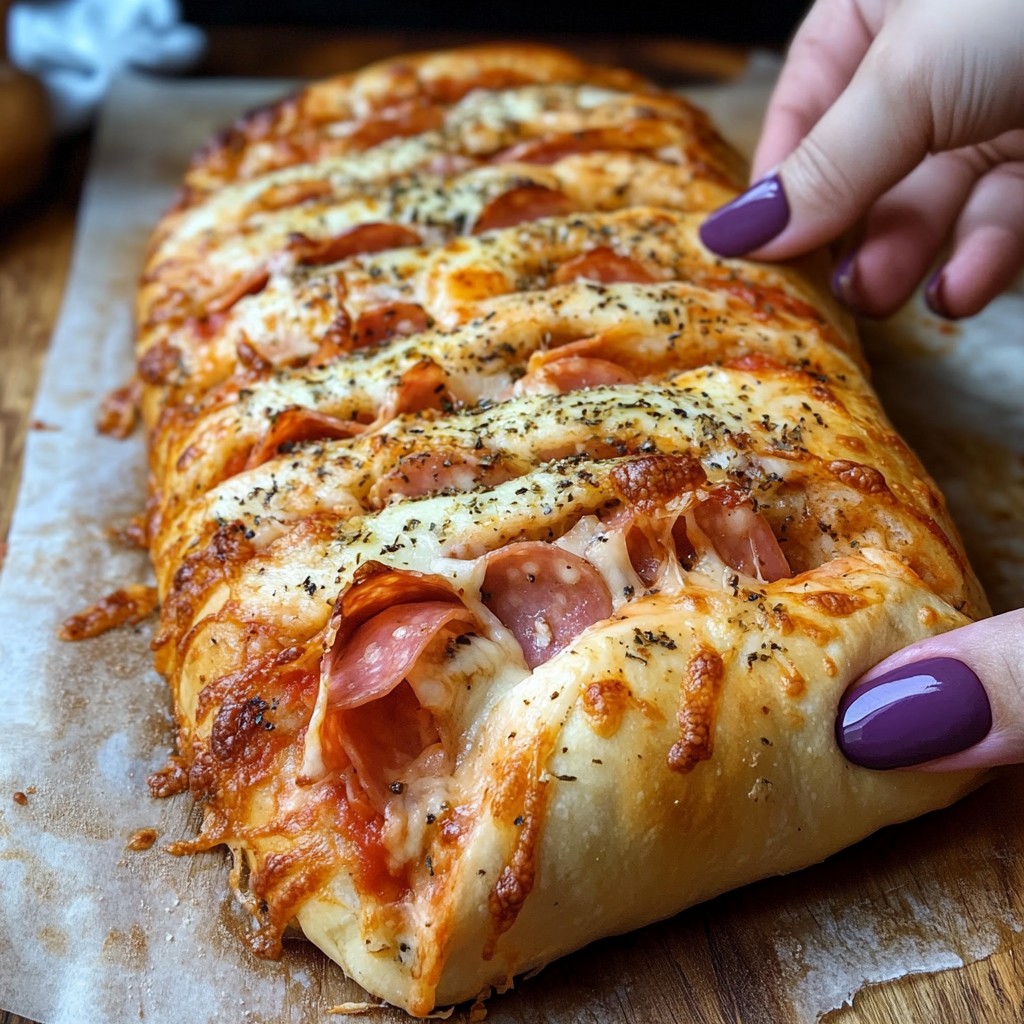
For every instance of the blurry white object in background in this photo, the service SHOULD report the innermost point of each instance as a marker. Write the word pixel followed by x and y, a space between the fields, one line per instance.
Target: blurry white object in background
pixel 77 46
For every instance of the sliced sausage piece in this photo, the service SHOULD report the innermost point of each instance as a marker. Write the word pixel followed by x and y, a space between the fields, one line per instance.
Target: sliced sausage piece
pixel 295 425
pixel 545 596
pixel 743 539
pixel 383 650
pixel 518 205
pixel 572 373
pixel 603 265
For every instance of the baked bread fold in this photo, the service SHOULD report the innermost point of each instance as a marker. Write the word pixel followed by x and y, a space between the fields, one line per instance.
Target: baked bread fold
pixel 514 551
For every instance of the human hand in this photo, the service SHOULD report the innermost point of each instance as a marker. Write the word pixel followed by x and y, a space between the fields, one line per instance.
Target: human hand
pixel 947 703
pixel 905 118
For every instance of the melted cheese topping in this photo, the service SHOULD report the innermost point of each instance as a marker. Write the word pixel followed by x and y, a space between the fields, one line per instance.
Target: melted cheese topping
pixel 675 458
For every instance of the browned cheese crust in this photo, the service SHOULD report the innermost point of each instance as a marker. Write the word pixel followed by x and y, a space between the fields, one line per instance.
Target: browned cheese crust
pixel 513 550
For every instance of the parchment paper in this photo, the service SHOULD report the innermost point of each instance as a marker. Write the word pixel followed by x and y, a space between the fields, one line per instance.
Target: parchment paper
pixel 90 930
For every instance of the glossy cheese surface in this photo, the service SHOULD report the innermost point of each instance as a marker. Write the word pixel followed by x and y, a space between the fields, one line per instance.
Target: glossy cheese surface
pixel 513 550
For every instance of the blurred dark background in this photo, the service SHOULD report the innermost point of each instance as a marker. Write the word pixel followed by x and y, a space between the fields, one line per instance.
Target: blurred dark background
pixel 766 23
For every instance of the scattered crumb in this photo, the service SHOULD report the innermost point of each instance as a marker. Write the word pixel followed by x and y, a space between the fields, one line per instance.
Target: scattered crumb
pixel 130 604
pixel 41 425
pixel 20 799
pixel 142 839
pixel 169 780
pixel 119 410
pixel 130 532
pixel 30 790
pixel 478 1012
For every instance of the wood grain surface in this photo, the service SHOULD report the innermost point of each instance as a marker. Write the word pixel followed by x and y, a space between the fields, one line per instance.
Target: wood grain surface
pixel 703 974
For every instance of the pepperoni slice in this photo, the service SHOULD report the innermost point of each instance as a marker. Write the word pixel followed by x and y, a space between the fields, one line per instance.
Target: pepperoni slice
pixel 572 373
pixel 685 551
pixel 755 362
pixel 335 342
pixel 383 624
pixel 544 595
pixel 430 472
pixel 603 265
pixel 403 119
pixel 518 205
pixel 743 539
pixel 764 300
pixel 423 386
pixel 644 555
pixel 366 238
pixel 550 148
pixel 624 349
pixel 645 544
pixel 593 345
pixel 382 741
pixel 295 425
pixel 251 359
pixel 393 320
pixel 250 284
pixel 377 587
pixel 292 193
pixel 381 652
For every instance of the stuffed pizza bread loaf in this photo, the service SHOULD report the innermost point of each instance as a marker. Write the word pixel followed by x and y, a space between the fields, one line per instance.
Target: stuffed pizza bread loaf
pixel 513 550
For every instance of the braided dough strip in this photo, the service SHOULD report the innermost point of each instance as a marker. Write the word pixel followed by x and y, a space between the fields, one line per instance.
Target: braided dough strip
pixel 513 550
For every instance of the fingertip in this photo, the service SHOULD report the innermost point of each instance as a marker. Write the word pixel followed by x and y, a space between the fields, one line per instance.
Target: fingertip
pixel 934 295
pixel 950 702
pixel 988 246
pixel 750 221
pixel 912 715
pixel 844 281
pixel 981 268
pixel 891 261
pixel 850 288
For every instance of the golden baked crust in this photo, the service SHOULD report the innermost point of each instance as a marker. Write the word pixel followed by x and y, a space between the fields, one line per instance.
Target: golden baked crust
pixel 513 550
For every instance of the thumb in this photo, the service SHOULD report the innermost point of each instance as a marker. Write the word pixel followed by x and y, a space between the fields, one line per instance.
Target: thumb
pixel 948 703
pixel 877 130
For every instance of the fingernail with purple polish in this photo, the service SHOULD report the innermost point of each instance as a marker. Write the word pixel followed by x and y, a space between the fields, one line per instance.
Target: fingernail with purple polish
pixel 913 714
pixel 844 286
pixel 933 296
pixel 749 221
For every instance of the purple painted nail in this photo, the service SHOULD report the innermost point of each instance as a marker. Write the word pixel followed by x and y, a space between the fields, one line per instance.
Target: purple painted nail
pixel 749 221
pixel 844 285
pixel 933 296
pixel 913 714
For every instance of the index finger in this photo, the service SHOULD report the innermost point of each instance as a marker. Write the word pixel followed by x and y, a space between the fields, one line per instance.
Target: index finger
pixel 825 52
